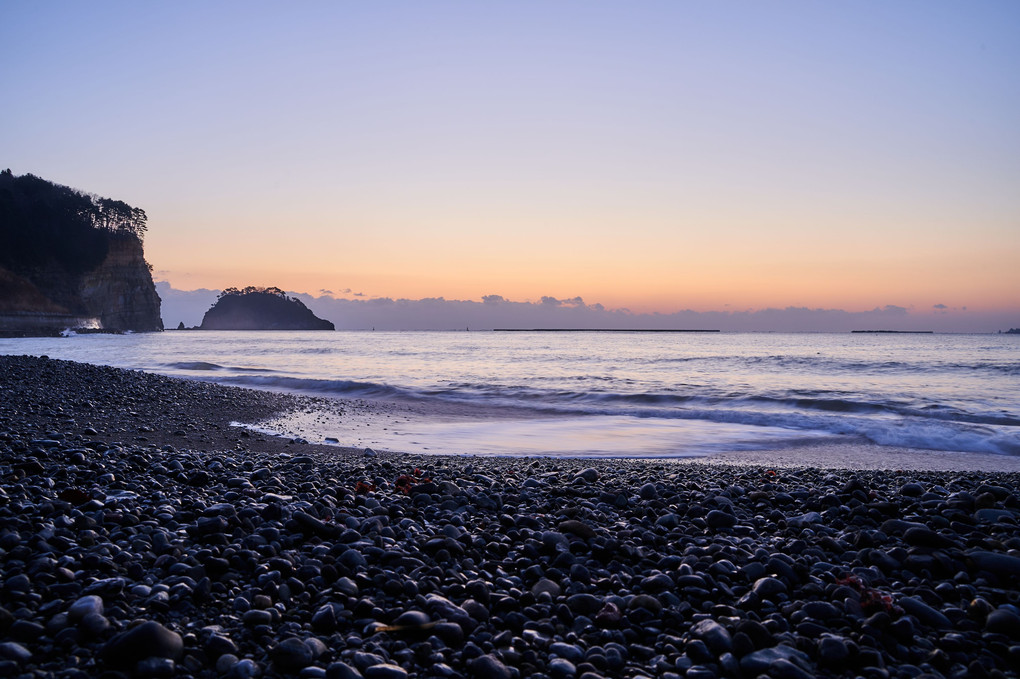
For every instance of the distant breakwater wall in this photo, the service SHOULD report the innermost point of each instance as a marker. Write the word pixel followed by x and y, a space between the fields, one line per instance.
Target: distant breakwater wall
pixel 25 323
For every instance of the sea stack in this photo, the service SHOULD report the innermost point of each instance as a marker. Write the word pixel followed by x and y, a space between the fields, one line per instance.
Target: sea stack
pixel 254 308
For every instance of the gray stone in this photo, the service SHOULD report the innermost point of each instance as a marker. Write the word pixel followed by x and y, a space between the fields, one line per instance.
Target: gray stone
pixel 143 641
pixel 759 661
pixel 341 670
pixel 85 605
pixel 12 650
pixel 993 562
pixel 561 668
pixel 719 519
pixel 291 655
pixel 1003 621
pixel 489 667
pixel 769 587
pixel 385 671
pixel 584 604
pixel 924 613
pixel 715 636
pixel 571 652
pixel 546 585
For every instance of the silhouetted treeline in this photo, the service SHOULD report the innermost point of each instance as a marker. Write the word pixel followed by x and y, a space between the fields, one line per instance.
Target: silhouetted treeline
pixel 42 223
pixel 255 290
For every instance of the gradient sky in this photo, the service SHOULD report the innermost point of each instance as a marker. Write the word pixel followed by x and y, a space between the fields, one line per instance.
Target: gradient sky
pixel 656 156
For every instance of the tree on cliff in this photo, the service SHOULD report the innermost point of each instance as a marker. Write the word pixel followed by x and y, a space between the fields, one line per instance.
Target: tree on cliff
pixel 41 221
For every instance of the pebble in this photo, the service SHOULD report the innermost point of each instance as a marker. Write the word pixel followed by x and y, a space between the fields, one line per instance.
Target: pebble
pixel 84 606
pixel 142 641
pixel 385 671
pixel 489 667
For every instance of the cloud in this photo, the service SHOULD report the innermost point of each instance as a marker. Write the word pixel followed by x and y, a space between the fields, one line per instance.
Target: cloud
pixel 328 293
pixel 893 309
pixel 939 306
pixel 184 306
pixel 496 311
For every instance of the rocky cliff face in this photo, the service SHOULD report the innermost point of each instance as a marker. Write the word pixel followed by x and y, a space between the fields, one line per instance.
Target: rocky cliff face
pixel 117 295
pixel 120 292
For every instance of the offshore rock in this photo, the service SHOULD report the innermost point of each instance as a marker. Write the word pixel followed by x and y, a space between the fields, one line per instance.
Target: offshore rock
pixel 261 309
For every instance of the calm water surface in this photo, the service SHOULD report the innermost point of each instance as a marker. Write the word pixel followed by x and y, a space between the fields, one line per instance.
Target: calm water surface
pixel 619 394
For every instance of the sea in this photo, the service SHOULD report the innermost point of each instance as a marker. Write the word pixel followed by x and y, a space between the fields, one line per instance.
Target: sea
pixel 603 394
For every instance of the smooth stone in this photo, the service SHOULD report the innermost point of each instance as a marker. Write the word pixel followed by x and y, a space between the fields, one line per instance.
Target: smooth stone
pixel 12 650
pixel 832 650
pixel 584 604
pixel 645 601
pixel 924 613
pixel 85 605
pixel 993 562
pixel 720 519
pixel 926 537
pixel 225 662
pixel 291 654
pixel 648 491
pixel 256 617
pixel 385 671
pixel 804 519
pixel 245 669
pixel 759 661
pixel 147 639
pixel 589 475
pixel 94 624
pixel 784 669
pixel 1002 621
pixel 489 667
pixel 660 582
pixel 715 636
pixel 155 667
pixel 912 489
pixel 769 587
pixel 578 528
pixel 571 652
pixel 820 610
pixel 218 644
pixel 341 670
pixel 989 515
pixel 561 668
pixel 547 586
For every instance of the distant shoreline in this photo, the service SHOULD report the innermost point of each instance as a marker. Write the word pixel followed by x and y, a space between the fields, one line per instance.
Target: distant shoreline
pixel 600 330
pixel 894 332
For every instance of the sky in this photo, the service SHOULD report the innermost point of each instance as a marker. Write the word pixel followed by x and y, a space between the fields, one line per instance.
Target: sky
pixel 654 157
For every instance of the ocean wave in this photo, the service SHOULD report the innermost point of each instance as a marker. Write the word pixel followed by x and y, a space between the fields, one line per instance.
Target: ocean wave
pixel 335 388
pixel 206 366
pixel 888 423
pixel 194 365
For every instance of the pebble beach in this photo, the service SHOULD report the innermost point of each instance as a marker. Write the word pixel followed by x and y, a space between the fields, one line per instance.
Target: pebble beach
pixel 142 535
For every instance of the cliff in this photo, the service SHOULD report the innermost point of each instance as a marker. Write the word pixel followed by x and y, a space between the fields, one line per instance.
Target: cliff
pixel 261 309
pixel 120 291
pixel 71 260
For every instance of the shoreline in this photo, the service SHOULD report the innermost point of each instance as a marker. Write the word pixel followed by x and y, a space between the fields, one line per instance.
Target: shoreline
pixel 143 536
